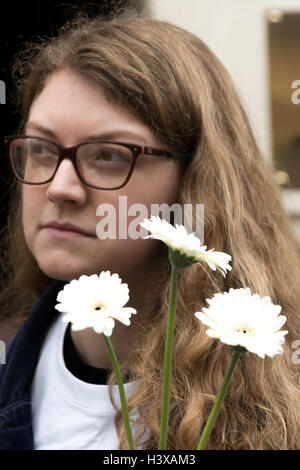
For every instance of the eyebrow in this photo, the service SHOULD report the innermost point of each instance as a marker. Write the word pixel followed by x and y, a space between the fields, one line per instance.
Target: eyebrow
pixel 117 134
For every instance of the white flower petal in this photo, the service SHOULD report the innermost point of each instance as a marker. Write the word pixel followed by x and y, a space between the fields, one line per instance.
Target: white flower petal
pixel 107 327
pixel 94 302
pixel 177 238
pixel 239 318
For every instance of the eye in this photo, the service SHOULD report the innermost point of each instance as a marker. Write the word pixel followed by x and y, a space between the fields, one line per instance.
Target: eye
pixel 40 148
pixel 112 155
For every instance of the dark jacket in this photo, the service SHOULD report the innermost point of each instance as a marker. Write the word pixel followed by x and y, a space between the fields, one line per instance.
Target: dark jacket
pixel 22 353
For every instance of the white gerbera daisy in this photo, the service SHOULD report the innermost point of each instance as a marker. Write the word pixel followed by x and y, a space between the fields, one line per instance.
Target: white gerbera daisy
pixel 186 244
pixel 241 319
pixel 95 302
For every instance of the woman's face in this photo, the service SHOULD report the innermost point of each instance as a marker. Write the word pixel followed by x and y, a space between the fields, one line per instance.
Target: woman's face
pixel 70 111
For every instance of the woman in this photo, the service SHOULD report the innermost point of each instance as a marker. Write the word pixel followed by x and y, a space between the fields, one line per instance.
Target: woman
pixel 145 82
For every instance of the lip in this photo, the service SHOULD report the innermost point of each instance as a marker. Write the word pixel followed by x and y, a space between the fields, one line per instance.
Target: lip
pixel 66 230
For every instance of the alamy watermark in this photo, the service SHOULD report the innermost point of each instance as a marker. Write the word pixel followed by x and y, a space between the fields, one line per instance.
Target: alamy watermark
pixel 127 221
pixel 2 352
pixel 2 92
pixel 296 354
pixel 295 98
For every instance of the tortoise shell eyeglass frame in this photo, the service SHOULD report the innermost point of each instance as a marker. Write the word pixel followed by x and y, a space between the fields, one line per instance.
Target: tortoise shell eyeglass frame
pixel 70 152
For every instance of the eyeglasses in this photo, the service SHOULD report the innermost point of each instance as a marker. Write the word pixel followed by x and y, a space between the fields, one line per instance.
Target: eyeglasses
pixel 99 164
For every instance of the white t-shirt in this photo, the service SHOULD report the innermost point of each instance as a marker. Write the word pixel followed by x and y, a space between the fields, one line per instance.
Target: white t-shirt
pixel 67 413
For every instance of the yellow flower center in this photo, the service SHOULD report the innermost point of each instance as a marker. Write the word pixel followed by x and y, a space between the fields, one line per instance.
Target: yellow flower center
pixel 245 329
pixel 97 307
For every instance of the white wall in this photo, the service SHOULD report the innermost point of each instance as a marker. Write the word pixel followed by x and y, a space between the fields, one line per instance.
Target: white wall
pixel 236 32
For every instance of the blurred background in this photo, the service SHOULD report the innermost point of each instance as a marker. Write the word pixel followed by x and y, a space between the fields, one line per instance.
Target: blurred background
pixel 257 40
pixel 259 43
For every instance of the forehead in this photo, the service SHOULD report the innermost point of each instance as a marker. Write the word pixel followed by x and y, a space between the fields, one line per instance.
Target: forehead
pixel 71 106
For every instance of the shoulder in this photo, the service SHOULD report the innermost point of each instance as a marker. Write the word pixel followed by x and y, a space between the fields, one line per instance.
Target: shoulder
pixel 22 350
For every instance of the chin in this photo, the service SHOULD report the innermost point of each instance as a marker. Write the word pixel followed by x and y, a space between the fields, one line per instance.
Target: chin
pixel 60 270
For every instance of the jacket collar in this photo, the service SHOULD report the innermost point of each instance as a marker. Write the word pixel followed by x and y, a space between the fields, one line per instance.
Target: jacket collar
pixel 23 349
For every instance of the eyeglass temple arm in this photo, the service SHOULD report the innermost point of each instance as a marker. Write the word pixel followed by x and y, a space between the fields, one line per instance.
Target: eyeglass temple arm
pixel 152 151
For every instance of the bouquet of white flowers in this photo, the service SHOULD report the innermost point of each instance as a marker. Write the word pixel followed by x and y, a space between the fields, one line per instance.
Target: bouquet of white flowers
pixel 245 321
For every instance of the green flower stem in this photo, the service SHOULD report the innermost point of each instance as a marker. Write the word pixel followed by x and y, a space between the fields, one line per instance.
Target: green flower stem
pixel 168 361
pixel 121 391
pixel 219 400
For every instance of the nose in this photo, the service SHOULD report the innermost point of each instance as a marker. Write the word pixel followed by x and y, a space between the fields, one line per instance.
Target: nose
pixel 66 185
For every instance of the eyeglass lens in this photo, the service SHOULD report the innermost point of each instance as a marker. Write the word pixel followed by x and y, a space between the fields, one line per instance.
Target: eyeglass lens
pixel 100 164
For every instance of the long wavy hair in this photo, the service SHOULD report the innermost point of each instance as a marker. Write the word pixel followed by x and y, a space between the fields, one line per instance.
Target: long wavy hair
pixel 174 83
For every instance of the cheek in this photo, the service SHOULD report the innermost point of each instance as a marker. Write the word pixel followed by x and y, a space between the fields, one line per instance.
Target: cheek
pixel 156 187
pixel 158 194
pixel 31 201
pixel 143 201
pixel 136 198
